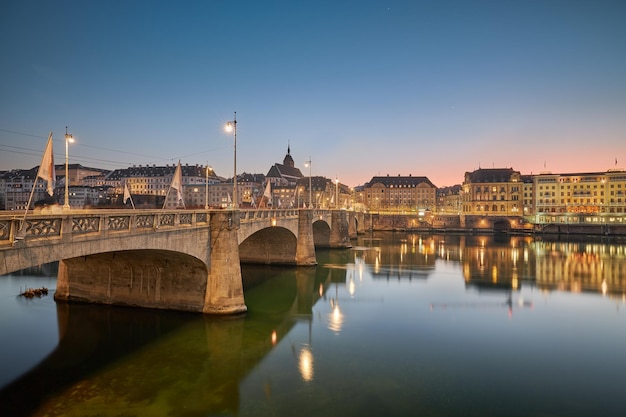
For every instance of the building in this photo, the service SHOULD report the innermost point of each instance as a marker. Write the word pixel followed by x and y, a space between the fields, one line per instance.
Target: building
pixel 400 193
pixel 449 200
pixel 18 184
pixel 493 192
pixel 324 193
pixel 84 196
pixel 285 174
pixel 78 174
pixel 591 193
pixel 528 195
pixel 155 181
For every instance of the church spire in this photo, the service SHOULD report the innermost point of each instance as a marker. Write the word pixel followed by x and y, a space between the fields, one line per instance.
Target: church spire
pixel 288 161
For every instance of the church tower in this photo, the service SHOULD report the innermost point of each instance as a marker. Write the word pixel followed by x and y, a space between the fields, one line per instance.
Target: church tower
pixel 288 161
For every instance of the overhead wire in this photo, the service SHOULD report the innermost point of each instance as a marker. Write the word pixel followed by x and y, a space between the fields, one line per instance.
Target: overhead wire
pixel 152 159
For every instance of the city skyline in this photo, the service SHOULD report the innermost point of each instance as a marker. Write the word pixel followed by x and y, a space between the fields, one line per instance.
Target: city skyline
pixel 363 88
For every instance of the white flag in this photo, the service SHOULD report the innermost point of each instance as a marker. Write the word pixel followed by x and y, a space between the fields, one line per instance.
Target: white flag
pixel 177 183
pixel 126 193
pixel 46 169
pixel 268 190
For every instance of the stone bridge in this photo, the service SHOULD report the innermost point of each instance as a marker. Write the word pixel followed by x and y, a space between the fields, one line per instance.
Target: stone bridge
pixel 177 259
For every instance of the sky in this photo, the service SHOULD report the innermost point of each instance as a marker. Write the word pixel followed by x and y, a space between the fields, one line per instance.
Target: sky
pixel 361 87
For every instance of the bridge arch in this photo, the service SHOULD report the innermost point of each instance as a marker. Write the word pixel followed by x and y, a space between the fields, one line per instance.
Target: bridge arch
pixel 501 225
pixel 321 234
pixel 271 245
pixel 159 278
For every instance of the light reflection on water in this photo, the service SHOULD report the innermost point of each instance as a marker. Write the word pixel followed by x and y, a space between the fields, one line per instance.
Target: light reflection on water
pixel 401 324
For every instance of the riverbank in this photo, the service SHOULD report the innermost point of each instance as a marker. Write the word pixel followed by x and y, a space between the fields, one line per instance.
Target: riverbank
pixel 588 226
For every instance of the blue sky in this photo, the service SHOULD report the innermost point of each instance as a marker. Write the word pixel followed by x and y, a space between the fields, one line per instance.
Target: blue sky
pixel 365 88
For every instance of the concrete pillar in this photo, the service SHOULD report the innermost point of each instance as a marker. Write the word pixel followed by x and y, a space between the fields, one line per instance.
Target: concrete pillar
pixel 305 248
pixel 63 282
pixel 339 237
pixel 361 225
pixel 224 290
pixel 352 225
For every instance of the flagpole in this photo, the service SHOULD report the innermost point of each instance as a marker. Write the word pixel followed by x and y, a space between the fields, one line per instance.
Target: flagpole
pixel 127 195
pixel 32 191
pixel 177 183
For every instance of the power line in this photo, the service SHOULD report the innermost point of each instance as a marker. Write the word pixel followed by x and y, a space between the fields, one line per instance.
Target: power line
pixel 152 159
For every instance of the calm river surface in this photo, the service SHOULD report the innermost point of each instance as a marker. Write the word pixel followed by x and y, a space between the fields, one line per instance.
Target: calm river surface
pixel 401 324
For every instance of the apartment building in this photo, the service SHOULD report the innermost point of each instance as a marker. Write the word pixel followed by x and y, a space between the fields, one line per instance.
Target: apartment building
pixel 581 193
pixel 400 193
pixel 493 192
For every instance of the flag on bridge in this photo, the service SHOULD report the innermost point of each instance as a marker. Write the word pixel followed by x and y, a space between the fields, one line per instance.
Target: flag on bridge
pixel 46 173
pixel 127 195
pixel 46 169
pixel 177 183
pixel 268 192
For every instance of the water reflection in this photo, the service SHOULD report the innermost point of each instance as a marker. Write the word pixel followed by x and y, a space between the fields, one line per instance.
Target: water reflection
pixel 374 329
pixel 305 363
pixel 499 260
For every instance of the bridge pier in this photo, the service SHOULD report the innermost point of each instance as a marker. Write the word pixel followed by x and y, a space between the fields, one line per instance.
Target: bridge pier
pixel 305 247
pixel 352 225
pixel 224 290
pixel 339 237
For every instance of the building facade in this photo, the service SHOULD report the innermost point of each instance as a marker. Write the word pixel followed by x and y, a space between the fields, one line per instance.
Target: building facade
pixel 400 194
pixel 579 194
pixel 493 192
pixel 449 200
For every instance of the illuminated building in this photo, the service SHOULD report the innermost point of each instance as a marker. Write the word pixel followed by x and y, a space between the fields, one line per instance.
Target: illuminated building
pixel 493 192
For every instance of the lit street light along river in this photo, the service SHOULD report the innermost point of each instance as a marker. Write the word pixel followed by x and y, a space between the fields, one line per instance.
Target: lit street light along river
pixel 401 324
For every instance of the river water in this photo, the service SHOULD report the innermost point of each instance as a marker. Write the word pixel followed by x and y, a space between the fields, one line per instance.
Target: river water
pixel 401 324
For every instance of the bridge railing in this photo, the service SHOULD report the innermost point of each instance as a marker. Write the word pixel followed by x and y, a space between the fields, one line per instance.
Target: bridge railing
pixel 74 223
pixel 263 214
pixel 40 225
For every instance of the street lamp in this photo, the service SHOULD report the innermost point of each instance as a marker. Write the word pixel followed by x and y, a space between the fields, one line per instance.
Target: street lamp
pixel 68 139
pixel 232 127
pixel 206 187
pixel 308 164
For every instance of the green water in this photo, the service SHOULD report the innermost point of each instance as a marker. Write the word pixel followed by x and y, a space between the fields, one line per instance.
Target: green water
pixel 400 324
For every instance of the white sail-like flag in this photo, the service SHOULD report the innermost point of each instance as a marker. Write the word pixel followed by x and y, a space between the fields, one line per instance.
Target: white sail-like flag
pixel 177 183
pixel 268 190
pixel 127 195
pixel 46 169
pixel 268 193
pixel 45 172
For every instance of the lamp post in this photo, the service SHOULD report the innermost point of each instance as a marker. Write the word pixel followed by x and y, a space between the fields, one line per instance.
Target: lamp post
pixel 232 127
pixel 206 188
pixel 68 139
pixel 308 164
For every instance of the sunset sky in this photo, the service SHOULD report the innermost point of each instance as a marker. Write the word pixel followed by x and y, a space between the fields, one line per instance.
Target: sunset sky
pixel 363 87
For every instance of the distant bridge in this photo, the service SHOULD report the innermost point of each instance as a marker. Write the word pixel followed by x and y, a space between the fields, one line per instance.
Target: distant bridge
pixel 170 259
